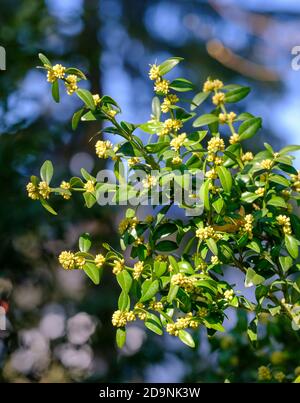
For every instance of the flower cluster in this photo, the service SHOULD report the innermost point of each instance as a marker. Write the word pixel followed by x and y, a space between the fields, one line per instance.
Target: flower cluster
pixel 170 125
pixel 138 270
pixel 102 148
pixel 170 100
pixel 212 85
pixel 121 318
pixel 69 261
pixel 178 141
pixel 248 225
pixel 185 282
pixel 206 233
pixel 57 71
pixel 118 266
pixel 215 144
pixel 285 222
pixel 41 190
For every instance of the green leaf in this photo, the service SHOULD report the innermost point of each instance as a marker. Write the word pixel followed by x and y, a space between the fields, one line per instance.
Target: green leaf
pixel 173 263
pixel 218 205
pixel 286 262
pixel 280 180
pixel 159 268
pixel 85 242
pixel 211 243
pixel 166 246
pixel 254 245
pixel 181 85
pixel 90 199
pixel 47 206
pixel 93 272
pixel 185 267
pixel 120 337
pixel 76 118
pixel 288 149
pixel 291 245
pixel 204 120
pixel 252 278
pixel 55 91
pixel 164 230
pixel 151 127
pixel 204 194
pixel 46 171
pixel 199 99
pixel 173 290
pixel 149 289
pixel 154 148
pixel 249 197
pixel 277 202
pixel 249 128
pixel 154 324
pixel 186 338
pixel 236 94
pixel 124 301
pixel 252 330
pixel 225 178
pixel 156 111
pixel 44 60
pixel 124 280
pixel 168 65
pixel 86 97
pixel 129 150
pixel 76 72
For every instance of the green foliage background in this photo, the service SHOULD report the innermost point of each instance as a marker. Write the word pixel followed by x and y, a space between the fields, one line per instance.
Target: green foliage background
pixel 30 126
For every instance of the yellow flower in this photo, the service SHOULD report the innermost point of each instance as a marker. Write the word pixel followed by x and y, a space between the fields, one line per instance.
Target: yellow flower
pixel 215 144
pixel 162 86
pixel 99 260
pixel 127 223
pixel 133 161
pixel 97 99
pixel 89 186
pixel 149 181
pixel 248 156
pixel 211 85
pixel 57 71
pixel 71 84
pixel 149 219
pixel 44 190
pixel 205 233
pixel 279 376
pixel 65 185
pixel 138 270
pixel 248 226
pixel 171 329
pixel 168 102
pixel 79 262
pixel 228 295
pixel 176 160
pixel 178 141
pixel 264 374
pixel 211 174
pixel 297 371
pixel 214 260
pixel 235 138
pixel 67 260
pixel 111 113
pixel 187 283
pixel 118 266
pixel 222 118
pixel 119 318
pixel 260 192
pixel 32 190
pixel 285 222
pixel 154 73
pixel 156 305
pixel 266 164
pixel 102 147
pixel 218 98
pixel 231 116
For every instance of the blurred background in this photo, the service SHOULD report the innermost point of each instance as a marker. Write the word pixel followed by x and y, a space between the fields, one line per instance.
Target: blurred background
pixel 58 324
